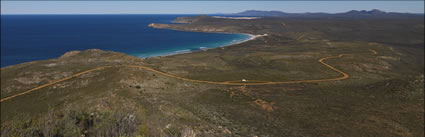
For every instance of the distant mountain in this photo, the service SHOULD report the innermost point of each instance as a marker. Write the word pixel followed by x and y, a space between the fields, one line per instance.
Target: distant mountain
pixel 371 12
pixel 262 13
pixel 352 13
pixel 376 13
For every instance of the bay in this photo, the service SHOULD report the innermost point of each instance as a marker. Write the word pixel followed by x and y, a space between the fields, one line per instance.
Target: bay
pixel 27 38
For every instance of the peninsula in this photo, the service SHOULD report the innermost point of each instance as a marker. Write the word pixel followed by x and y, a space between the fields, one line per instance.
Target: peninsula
pixel 315 75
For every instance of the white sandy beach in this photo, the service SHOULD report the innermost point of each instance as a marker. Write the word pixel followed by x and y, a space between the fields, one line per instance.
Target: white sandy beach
pixel 164 54
pixel 238 18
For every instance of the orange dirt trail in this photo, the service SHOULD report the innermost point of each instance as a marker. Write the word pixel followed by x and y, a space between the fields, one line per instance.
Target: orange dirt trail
pixel 373 51
pixel 235 82
pixel 302 36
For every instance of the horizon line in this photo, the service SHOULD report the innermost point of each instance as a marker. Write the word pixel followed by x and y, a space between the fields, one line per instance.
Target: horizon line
pixel 108 13
pixel 165 13
pixel 198 13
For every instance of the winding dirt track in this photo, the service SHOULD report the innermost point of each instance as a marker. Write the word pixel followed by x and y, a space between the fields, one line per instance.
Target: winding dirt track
pixel 235 82
pixel 256 82
pixel 302 36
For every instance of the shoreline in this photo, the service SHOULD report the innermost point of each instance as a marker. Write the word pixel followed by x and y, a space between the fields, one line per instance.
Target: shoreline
pixel 178 52
pixel 186 51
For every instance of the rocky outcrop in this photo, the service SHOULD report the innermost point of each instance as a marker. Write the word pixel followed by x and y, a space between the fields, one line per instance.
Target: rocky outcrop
pixel 154 25
pixel 69 54
pixel 194 28
pixel 207 24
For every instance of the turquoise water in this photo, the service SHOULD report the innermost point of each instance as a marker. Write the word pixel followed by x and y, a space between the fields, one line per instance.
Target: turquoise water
pixel 236 38
pixel 37 37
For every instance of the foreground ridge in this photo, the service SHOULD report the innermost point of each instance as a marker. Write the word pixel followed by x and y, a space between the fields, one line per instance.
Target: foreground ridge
pixel 235 82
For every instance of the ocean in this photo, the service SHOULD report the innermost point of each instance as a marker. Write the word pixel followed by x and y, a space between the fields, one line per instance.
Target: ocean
pixel 27 38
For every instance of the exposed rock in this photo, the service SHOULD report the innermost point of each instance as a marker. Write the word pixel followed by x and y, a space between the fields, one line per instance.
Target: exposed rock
pixel 33 79
pixel 51 65
pixel 389 58
pixel 188 132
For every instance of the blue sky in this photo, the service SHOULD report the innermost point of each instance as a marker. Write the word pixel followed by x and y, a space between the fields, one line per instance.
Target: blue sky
pixel 200 7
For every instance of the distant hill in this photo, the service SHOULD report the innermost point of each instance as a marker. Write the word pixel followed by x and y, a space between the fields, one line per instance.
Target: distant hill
pixel 365 12
pixel 352 13
pixel 262 13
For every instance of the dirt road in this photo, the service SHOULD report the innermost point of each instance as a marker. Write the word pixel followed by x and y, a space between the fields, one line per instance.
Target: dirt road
pixel 234 82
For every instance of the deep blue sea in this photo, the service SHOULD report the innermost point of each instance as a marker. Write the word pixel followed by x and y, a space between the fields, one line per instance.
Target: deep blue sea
pixel 27 38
